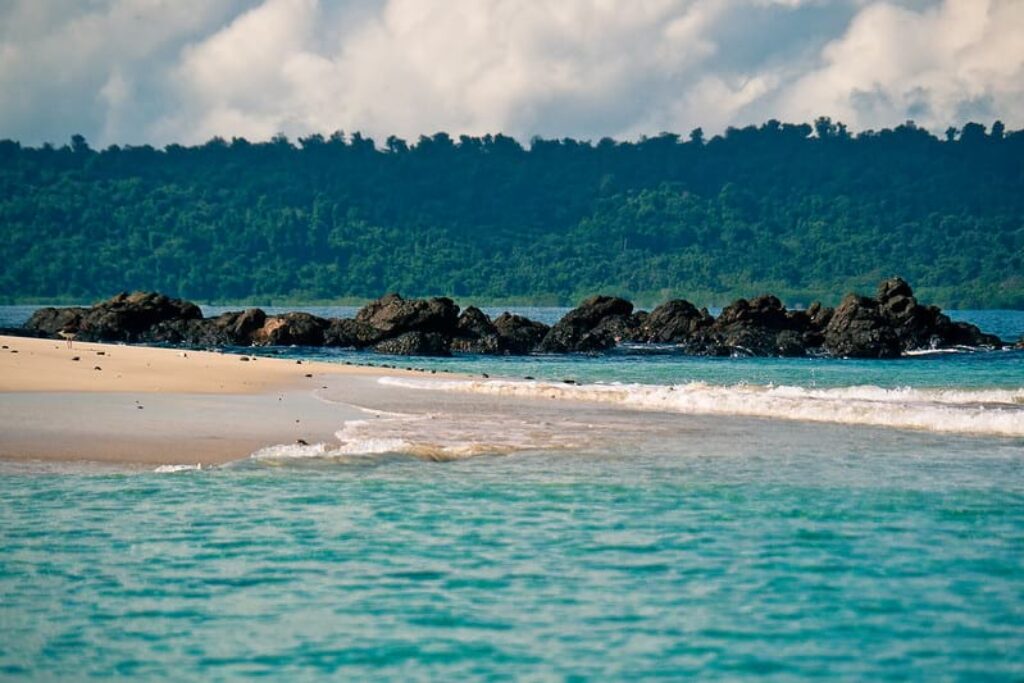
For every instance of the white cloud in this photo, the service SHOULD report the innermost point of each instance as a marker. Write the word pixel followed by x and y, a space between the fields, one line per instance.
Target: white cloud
pixel 424 65
pixel 177 70
pixel 68 67
pixel 932 66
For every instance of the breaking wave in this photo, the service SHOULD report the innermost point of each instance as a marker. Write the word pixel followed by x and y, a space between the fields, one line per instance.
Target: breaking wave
pixel 433 436
pixel 171 469
pixel 996 412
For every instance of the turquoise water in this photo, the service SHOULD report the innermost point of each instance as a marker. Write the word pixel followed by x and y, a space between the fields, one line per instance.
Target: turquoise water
pixel 803 565
pixel 717 548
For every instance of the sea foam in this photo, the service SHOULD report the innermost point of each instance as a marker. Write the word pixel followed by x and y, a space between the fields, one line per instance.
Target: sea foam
pixel 171 469
pixel 995 412
pixel 436 436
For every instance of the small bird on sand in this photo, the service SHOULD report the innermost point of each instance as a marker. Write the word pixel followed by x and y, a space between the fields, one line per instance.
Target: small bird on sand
pixel 68 335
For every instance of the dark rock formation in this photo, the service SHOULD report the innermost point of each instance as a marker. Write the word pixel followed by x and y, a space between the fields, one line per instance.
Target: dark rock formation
pixel 186 332
pixel 925 327
pixel 235 328
pixel 241 325
pixel 518 335
pixel 593 326
pixel 674 322
pixel 124 317
pixel 818 318
pixel 761 327
pixel 415 344
pixel 346 332
pixel 893 323
pixel 860 329
pixel 393 315
pixel 886 326
pixel 476 333
pixel 474 323
pixel 49 321
pixel 300 329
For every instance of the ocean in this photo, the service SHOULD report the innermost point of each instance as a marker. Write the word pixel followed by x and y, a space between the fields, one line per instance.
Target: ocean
pixel 659 517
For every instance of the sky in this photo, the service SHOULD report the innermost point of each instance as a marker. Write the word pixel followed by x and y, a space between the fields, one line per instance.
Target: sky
pixel 162 71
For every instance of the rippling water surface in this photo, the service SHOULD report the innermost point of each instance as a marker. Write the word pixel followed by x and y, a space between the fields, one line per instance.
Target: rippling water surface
pixel 807 565
pixel 667 546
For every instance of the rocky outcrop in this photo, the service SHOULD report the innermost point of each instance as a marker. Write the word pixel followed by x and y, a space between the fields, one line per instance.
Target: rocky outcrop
pixel 925 327
pixel 893 323
pixel 241 325
pixel 597 324
pixel 125 317
pixel 349 333
pixel 885 326
pixel 759 327
pixel 475 333
pixel 413 327
pixel 291 329
pixel 393 315
pixel 674 322
pixel 860 329
pixel 235 328
pixel 518 335
pixel 416 344
pixel 49 321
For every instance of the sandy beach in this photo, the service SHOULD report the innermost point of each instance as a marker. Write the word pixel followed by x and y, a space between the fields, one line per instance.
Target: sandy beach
pixel 153 406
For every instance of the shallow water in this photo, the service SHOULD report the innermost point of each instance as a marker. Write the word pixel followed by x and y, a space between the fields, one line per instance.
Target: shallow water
pixel 865 565
pixel 609 540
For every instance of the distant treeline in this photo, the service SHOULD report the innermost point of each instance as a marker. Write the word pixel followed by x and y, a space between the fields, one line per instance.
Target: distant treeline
pixel 806 211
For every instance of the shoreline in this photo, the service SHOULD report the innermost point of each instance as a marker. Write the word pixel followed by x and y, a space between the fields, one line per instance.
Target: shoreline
pixel 157 406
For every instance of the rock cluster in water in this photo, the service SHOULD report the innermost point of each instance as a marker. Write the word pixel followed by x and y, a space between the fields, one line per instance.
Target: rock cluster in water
pixel 886 326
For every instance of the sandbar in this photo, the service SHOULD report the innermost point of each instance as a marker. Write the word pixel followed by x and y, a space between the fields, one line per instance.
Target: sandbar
pixel 155 406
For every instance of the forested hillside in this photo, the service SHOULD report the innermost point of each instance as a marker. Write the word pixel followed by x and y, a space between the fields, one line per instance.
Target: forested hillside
pixel 802 211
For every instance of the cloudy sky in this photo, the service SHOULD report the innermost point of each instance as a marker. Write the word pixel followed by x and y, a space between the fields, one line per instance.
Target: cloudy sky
pixel 159 71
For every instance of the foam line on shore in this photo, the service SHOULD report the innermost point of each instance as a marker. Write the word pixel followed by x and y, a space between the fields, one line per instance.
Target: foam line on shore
pixel 992 412
pixel 435 436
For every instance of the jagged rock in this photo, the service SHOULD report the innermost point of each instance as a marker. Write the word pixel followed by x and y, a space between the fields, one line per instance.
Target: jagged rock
pixel 759 327
pixel 620 327
pixel 893 288
pixel 184 332
pixel 234 328
pixel 582 330
pixel 883 327
pixel 791 344
pixel 819 316
pixel 859 329
pixel 476 334
pixel 415 344
pixel 301 329
pixel 124 317
pixel 488 345
pixel 674 322
pixel 764 311
pixel 346 332
pixel 394 315
pixel 517 334
pixel 474 323
pixel 925 327
pixel 241 326
pixel 49 321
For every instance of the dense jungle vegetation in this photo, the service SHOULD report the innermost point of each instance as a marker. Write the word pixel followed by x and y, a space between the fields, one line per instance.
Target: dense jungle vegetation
pixel 804 211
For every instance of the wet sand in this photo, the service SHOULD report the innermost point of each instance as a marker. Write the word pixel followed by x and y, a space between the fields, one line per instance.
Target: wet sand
pixel 161 406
